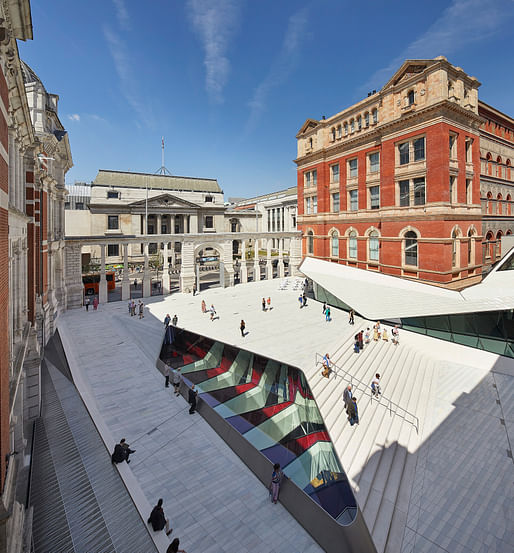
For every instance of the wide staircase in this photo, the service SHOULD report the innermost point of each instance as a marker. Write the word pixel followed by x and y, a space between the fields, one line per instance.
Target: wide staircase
pixel 378 454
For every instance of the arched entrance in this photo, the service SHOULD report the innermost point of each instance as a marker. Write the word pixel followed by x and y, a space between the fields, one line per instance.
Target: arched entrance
pixel 213 265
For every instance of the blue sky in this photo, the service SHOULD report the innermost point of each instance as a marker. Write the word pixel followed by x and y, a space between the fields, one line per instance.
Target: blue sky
pixel 228 83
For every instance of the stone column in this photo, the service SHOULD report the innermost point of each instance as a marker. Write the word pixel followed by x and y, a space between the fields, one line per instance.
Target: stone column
pixel 228 263
pixel 243 274
pixel 187 269
pixel 280 264
pixel 158 218
pixel 165 271
pixel 172 224
pixel 73 278
pixel 172 254
pixel 193 223
pixel 102 289
pixel 147 290
pixel 125 283
pixel 295 255
pixel 269 265
pixel 256 267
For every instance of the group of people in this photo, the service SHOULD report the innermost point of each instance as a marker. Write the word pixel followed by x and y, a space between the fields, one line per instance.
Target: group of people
pixel 350 403
pixel 211 310
pixel 87 303
pixel 121 452
pixel 266 304
pixel 160 522
pixel 167 320
pixel 136 308
pixel 302 299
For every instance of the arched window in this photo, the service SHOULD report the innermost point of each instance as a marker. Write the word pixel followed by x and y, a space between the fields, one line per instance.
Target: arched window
pixel 499 204
pixel 333 133
pixel 310 242
pixel 345 126
pixel 411 248
pixel 508 207
pixel 454 248
pixel 352 245
pixel 339 131
pixel 373 246
pixel 374 114
pixel 499 167
pixel 507 170
pixel 489 204
pixel 508 233
pixel 499 235
pixel 352 125
pixel 471 242
pixel 489 245
pixel 410 97
pixel 489 163
pixel 359 123
pixel 334 244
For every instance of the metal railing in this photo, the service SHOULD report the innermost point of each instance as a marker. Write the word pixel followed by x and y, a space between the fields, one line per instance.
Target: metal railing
pixel 365 389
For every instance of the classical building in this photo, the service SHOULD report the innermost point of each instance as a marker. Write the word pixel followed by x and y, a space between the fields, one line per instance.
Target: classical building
pixel 496 179
pixel 392 183
pixel 34 157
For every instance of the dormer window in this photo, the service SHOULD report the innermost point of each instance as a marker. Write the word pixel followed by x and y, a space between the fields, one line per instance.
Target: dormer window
pixel 359 123
pixel 333 133
pixel 113 194
pixel 366 119
pixel 209 199
pixel 310 143
pixel 410 98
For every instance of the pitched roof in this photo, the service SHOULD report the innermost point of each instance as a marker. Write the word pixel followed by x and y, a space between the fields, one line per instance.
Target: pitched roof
pixel 128 179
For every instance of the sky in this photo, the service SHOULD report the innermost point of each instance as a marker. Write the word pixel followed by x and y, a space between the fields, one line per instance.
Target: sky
pixel 228 83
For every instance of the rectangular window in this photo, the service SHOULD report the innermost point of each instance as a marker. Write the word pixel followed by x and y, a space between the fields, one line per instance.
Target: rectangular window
pixel 352 165
pixel 209 199
pixel 307 177
pixel 209 221
pixel 315 178
pixel 453 190
pixel 374 195
pixel 354 200
pixel 419 191
pixel 404 193
pixel 375 116
pixel 453 146
pixel 111 194
pixel 79 205
pixel 346 129
pixel 308 206
pixel 374 162
pixel 334 173
pixel 113 250
pixel 366 119
pixel 469 191
pixel 419 149
pixel 469 150
pixel 314 204
pixel 339 132
pixel 403 150
pixel 112 222
pixel 335 202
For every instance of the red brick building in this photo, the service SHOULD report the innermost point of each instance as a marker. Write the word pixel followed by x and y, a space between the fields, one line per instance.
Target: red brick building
pixel 392 183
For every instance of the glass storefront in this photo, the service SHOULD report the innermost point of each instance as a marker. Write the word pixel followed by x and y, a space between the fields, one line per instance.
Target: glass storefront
pixel 271 405
pixel 491 331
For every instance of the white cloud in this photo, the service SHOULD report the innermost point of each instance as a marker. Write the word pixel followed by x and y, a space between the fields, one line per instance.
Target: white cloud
pixel 215 21
pixel 128 83
pixel 122 14
pixel 282 66
pixel 463 22
pixel 74 117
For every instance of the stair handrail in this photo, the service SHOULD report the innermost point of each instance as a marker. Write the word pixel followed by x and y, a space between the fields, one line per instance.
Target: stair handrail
pixel 367 391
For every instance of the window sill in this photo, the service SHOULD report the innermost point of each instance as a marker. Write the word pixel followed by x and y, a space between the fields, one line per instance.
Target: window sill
pixel 209 230
pixel 113 231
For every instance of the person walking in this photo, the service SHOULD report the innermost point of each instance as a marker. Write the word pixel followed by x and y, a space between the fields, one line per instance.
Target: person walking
pixel 95 304
pixel 304 297
pixel 176 377
pixel 353 413
pixel 347 397
pixel 300 300
pixel 396 335
pixel 327 315
pixel 204 307
pixel 121 452
pixel 158 520
pixel 268 303
pixel 86 303
pixel 166 375
pixel 356 345
pixel 361 339
pixel 174 321
pixel 263 304
pixel 351 316
pixel 276 479
pixel 375 385
pixel 194 289
pixel 167 320
pixel 193 392
pixel 133 311
pixel 324 307
pixel 141 309
pixel 242 327
pixel 385 337
pixel 367 336
pixel 174 547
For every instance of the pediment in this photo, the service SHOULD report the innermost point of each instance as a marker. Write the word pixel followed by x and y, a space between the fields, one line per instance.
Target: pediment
pixel 407 70
pixel 164 201
pixel 307 126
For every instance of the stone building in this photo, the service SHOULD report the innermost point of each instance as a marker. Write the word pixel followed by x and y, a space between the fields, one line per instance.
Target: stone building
pixel 392 183
pixel 34 156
